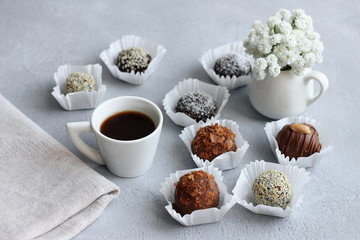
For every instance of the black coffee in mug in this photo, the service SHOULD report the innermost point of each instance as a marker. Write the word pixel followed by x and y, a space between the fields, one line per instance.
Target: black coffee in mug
pixel 127 125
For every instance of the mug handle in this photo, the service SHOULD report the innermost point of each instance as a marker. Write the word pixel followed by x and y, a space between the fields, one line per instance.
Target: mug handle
pixel 321 79
pixel 74 129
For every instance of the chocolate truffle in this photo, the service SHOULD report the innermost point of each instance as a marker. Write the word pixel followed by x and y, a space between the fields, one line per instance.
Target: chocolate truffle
pixel 212 141
pixel 272 188
pixel 198 105
pixel 194 191
pixel 78 81
pixel 298 140
pixel 133 59
pixel 232 65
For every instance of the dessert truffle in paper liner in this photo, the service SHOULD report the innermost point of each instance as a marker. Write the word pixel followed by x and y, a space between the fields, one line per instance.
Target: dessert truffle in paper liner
pixel 202 216
pixel 79 87
pixel 219 141
pixel 198 105
pixel 78 82
pixel 213 140
pixel 193 101
pixel 133 59
pixel 194 191
pixel 228 65
pixel 288 193
pixel 272 188
pixel 297 141
pixel 232 65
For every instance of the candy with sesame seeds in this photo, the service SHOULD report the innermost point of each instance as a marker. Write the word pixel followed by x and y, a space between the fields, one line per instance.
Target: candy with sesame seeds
pixel 133 59
pixel 272 188
pixel 76 93
pixel 78 82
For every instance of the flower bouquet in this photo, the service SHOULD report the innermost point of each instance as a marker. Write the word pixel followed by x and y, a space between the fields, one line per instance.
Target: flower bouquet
pixel 286 42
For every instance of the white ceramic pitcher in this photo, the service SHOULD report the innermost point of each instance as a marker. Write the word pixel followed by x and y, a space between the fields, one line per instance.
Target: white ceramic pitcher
pixel 287 94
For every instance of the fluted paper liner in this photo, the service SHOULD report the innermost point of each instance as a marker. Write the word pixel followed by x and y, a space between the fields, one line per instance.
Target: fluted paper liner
pixel 109 57
pixel 220 95
pixel 83 99
pixel 224 161
pixel 298 178
pixel 209 58
pixel 273 128
pixel 227 201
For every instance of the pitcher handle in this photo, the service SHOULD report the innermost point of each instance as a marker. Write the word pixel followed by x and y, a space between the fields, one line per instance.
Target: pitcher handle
pixel 74 129
pixel 321 79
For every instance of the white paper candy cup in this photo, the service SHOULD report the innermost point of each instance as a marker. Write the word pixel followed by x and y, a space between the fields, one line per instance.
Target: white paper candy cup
pixel 227 201
pixel 109 57
pixel 220 95
pixel 298 178
pixel 273 128
pixel 83 99
pixel 209 58
pixel 224 161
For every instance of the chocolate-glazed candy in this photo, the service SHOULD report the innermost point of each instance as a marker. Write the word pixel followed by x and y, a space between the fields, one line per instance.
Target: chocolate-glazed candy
pixel 133 59
pixel 198 105
pixel 194 191
pixel 232 65
pixel 212 141
pixel 298 140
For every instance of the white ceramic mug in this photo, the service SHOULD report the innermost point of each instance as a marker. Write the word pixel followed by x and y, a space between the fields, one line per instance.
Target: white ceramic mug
pixel 129 158
pixel 287 94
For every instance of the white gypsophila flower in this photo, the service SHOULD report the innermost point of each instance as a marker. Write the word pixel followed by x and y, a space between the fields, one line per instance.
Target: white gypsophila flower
pixel 273 21
pixel 287 40
pixel 290 56
pixel 283 28
pixel 298 62
pixel 284 14
pixel 275 39
pixel 291 41
pixel 261 63
pixel 309 59
pixel 271 59
pixel 259 73
pixel 274 70
pixel 256 25
pixel 264 46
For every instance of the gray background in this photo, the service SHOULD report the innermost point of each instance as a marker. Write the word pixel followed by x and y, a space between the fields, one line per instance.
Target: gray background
pixel 36 37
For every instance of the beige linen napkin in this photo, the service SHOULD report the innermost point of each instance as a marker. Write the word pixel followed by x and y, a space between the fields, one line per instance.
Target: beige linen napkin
pixel 46 192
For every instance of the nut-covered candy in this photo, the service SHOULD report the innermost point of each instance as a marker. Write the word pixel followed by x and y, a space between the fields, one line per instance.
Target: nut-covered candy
pixel 196 190
pixel 212 141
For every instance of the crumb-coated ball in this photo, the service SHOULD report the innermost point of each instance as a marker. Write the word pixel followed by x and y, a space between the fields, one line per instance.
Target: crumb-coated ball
pixel 196 190
pixel 133 59
pixel 198 105
pixel 232 65
pixel 212 141
pixel 272 188
pixel 298 140
pixel 79 81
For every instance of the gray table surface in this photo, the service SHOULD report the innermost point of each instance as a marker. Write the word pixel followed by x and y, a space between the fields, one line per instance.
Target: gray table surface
pixel 38 36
